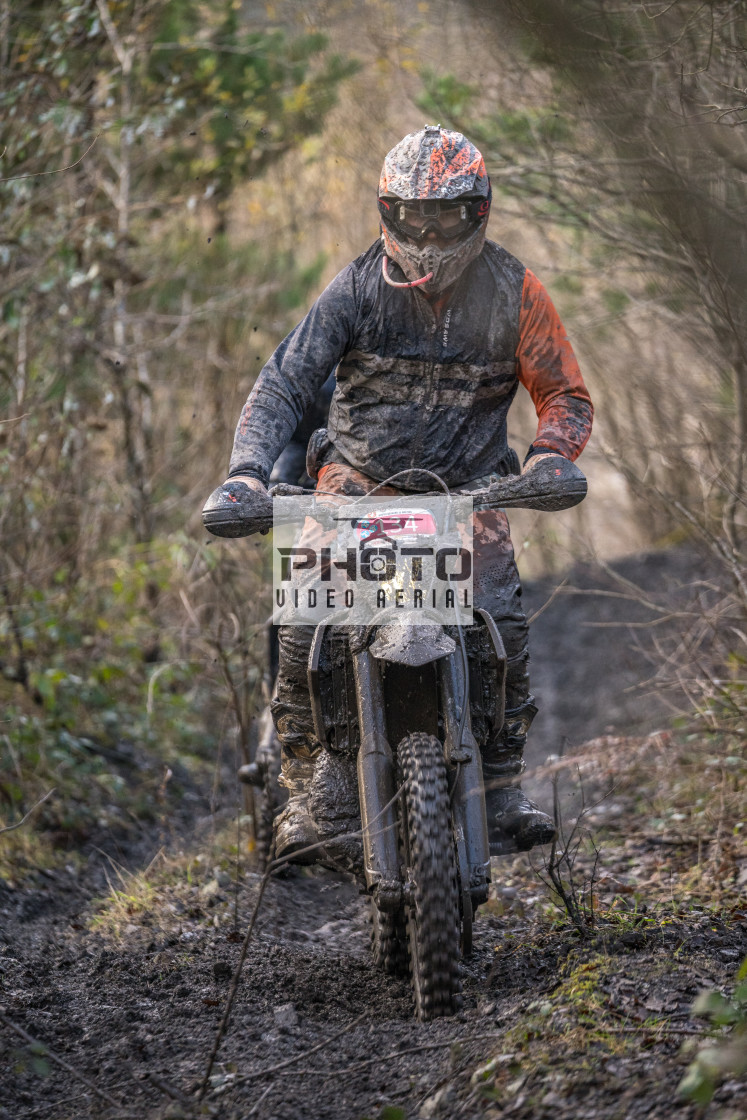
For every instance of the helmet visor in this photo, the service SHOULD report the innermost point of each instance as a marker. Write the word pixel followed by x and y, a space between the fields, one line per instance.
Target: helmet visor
pixel 417 217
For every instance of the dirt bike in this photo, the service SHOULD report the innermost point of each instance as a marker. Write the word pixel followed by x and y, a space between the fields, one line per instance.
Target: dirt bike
pixel 392 708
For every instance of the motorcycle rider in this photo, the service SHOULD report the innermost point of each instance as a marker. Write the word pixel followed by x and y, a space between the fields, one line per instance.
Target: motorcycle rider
pixel 430 331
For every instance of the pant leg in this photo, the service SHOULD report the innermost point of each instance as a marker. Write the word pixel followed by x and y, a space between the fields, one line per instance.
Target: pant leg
pixel 497 589
pixel 291 706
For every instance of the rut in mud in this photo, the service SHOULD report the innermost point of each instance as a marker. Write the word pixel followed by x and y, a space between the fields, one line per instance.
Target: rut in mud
pixel 138 1017
pixel 131 996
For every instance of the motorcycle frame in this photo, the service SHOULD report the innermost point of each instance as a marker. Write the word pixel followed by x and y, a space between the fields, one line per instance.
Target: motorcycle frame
pixel 375 704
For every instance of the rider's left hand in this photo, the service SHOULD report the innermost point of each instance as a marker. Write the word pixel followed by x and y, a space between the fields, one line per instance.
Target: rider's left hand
pixel 535 459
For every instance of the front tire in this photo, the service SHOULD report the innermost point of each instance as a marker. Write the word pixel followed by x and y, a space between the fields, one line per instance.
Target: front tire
pixel 432 907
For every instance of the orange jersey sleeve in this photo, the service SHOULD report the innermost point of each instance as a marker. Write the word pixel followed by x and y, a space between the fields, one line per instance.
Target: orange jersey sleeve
pixel 549 371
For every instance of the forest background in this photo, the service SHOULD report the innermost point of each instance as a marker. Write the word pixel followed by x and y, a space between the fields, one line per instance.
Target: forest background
pixel 179 180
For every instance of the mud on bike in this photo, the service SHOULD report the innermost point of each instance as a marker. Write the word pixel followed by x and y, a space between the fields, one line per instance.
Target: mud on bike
pixel 398 792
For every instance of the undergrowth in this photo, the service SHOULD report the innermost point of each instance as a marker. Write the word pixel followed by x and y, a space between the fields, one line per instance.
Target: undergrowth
pixel 195 886
pixel 123 699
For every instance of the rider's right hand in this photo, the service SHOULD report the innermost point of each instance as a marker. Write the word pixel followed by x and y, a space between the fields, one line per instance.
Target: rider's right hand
pixel 239 507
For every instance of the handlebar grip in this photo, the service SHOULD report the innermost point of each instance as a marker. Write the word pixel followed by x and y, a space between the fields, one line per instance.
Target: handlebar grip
pixel 237 510
pixel 554 483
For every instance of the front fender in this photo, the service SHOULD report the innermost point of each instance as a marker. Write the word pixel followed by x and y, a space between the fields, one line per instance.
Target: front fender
pixel 411 645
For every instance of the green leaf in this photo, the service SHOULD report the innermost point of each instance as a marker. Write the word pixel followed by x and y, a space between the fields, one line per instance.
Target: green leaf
pixel 712 1005
pixel 40 1067
pixel 697 1085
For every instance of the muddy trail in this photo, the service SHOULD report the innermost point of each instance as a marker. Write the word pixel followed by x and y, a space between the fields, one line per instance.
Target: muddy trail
pixel 550 1026
pixel 112 1009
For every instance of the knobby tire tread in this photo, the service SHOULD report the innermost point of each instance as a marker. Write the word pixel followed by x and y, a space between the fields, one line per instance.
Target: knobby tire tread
pixel 389 941
pixel 264 810
pixel 432 918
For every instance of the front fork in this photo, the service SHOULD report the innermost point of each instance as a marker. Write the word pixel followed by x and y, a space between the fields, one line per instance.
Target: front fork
pixel 467 792
pixel 376 787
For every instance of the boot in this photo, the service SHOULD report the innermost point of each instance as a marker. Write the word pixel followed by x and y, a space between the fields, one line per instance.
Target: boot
pixel 515 823
pixel 294 826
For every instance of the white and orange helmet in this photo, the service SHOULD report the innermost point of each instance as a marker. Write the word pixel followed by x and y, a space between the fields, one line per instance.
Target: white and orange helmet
pixel 434 179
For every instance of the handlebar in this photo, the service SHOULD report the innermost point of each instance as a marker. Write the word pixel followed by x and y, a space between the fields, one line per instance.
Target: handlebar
pixel 552 483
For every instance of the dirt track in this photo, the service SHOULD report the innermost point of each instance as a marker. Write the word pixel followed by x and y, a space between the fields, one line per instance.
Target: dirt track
pixel 573 1030
pixel 140 1017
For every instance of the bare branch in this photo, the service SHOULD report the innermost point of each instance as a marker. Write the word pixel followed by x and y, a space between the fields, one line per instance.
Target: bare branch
pixel 269 1070
pixel 57 170
pixel 124 57
pixel 49 1053
pixel 18 824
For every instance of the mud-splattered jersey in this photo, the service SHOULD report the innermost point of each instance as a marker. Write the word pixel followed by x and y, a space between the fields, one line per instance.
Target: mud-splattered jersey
pixel 419 386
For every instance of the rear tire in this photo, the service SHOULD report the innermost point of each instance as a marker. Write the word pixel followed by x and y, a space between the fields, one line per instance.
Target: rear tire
pixel 432 909
pixel 389 941
pixel 265 807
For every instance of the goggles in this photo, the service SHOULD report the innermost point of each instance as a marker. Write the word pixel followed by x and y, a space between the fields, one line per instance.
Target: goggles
pixel 417 217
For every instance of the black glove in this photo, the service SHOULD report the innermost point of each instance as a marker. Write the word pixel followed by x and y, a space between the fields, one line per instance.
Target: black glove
pixel 238 508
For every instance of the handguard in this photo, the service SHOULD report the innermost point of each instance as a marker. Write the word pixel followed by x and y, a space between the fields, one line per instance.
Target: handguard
pixel 553 483
pixel 237 510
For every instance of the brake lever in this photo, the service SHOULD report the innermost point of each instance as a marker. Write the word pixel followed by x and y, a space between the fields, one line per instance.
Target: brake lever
pixel 287 490
pixel 323 512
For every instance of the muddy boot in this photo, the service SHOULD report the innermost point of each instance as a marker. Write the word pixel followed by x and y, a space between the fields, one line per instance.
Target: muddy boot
pixel 294 826
pixel 515 823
